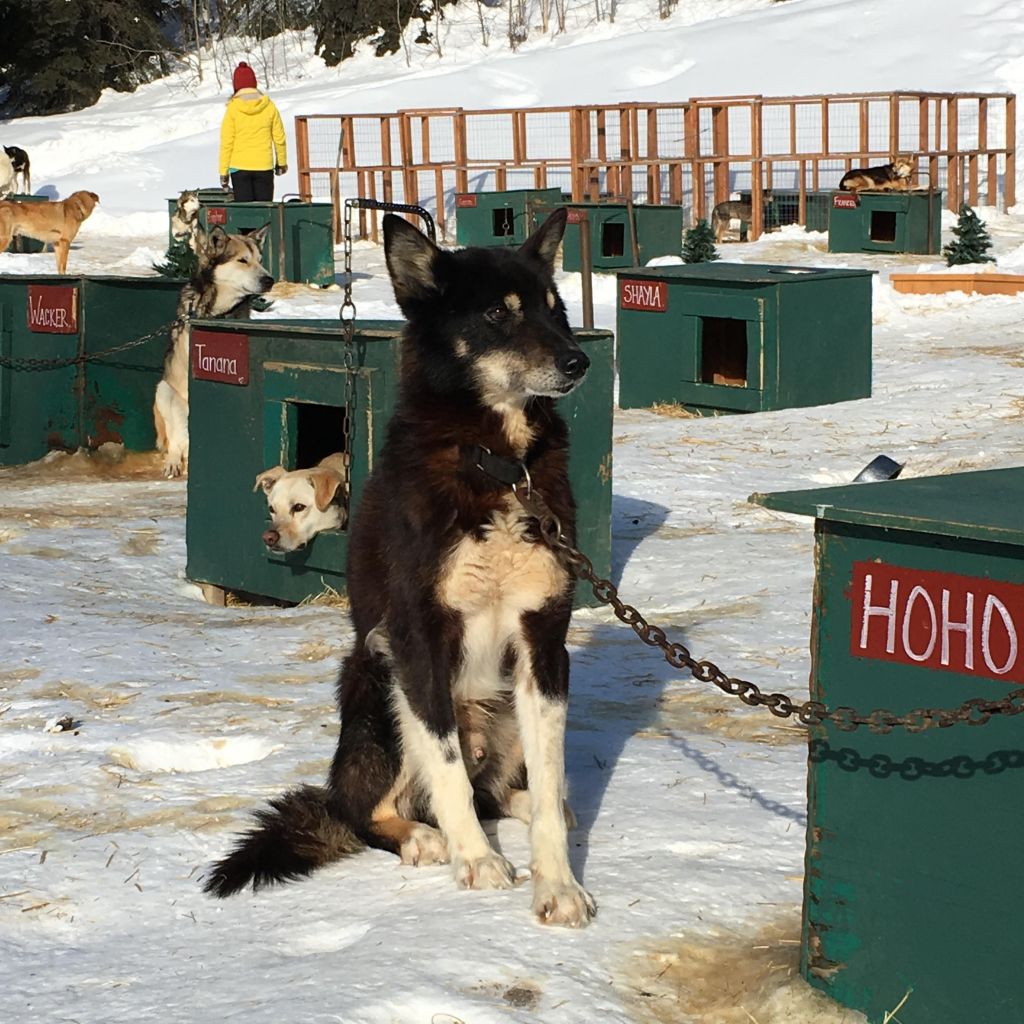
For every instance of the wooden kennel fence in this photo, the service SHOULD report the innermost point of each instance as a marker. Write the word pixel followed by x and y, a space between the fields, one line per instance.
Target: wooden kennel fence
pixel 693 153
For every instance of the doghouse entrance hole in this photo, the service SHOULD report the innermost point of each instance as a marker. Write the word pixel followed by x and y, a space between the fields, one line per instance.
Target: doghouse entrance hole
pixel 723 351
pixel 504 225
pixel 319 432
pixel 613 239
pixel 883 226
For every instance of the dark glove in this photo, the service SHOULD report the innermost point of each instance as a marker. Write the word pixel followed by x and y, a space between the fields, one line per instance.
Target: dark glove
pixel 225 181
pixel 280 169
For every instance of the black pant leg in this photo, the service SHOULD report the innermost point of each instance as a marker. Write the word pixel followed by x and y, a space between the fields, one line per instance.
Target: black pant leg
pixel 262 186
pixel 241 186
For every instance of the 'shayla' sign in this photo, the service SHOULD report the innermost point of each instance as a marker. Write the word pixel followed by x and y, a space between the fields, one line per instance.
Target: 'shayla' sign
pixel 938 620
pixel 52 309
pixel 220 357
pixel 650 296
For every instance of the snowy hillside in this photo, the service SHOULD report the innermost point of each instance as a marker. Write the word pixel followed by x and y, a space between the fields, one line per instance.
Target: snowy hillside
pixel 136 150
pixel 692 809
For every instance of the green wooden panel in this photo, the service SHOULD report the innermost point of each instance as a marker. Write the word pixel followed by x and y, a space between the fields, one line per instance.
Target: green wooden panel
pixel 588 412
pixel 292 364
pixel 117 395
pixel 980 505
pixel 911 837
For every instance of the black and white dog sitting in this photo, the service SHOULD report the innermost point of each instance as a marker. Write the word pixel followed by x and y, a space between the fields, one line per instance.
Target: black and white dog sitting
pixel 21 168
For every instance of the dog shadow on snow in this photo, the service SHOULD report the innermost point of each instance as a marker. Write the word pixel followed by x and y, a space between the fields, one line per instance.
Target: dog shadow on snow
pixel 616 689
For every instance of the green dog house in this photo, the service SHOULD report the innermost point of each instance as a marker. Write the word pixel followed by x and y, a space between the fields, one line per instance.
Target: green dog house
pixel 499 218
pixel 912 836
pixel 276 394
pixel 886 222
pixel 742 337
pixel 659 232
pixel 299 245
pixel 57 388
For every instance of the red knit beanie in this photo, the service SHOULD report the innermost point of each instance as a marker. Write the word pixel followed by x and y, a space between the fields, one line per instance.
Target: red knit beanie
pixel 244 77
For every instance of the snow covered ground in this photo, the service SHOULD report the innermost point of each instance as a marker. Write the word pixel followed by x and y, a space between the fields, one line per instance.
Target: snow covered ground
pixel 691 808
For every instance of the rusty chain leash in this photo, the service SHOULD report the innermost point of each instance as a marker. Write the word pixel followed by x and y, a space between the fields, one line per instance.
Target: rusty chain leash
pixel 976 711
pixel 33 365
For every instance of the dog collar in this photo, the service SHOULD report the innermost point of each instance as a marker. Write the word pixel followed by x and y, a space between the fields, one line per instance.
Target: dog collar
pixel 502 468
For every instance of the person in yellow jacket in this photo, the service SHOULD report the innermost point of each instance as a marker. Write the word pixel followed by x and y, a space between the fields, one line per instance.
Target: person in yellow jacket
pixel 252 142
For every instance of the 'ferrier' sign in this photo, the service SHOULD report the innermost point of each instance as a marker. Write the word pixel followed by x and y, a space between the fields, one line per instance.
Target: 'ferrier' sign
pixel 937 620
pixel 220 357
pixel 53 309
pixel 844 202
pixel 649 296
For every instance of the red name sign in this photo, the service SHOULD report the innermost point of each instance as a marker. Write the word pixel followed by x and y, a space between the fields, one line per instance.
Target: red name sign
pixel 220 357
pixel 650 296
pixel 574 215
pixel 937 620
pixel 216 215
pixel 464 201
pixel 844 202
pixel 53 309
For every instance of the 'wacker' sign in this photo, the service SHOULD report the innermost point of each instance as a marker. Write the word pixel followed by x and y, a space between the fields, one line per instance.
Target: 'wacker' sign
pixel 52 309
pixel 937 620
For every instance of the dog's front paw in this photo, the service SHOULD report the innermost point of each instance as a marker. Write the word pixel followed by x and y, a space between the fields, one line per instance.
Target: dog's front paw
pixel 565 903
pixel 424 846
pixel 173 468
pixel 491 871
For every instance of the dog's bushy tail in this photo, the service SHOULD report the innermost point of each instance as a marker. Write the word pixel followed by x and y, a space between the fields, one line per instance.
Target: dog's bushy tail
pixel 293 837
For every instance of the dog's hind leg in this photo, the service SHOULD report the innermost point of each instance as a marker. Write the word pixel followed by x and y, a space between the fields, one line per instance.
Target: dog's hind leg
pixel 174 413
pixel 371 784
pixel 541 692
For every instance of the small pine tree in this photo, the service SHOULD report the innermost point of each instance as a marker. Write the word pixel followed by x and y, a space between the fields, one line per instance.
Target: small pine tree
pixel 972 240
pixel 699 244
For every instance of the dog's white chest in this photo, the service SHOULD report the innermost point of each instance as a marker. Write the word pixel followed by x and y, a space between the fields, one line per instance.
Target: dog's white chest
pixel 502 572
pixel 491 582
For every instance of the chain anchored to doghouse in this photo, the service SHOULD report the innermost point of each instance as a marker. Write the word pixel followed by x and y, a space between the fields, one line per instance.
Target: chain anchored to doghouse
pixel 347 313
pixel 87 357
pixel 976 711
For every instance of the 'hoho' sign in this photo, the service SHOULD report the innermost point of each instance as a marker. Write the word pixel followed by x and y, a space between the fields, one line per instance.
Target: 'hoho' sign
pixel 466 201
pixel 220 357
pixel 650 296
pixel 53 309
pixel 938 620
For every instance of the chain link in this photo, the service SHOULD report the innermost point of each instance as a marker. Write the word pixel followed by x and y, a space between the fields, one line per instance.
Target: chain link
pixel 347 315
pixel 976 711
pixel 33 365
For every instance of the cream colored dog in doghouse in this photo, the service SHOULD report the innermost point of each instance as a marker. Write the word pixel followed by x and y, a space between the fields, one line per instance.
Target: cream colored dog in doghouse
pixel 304 502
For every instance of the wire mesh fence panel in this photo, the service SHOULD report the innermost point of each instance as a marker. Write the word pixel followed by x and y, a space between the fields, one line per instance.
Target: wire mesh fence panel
pixel 692 153
pixel 489 136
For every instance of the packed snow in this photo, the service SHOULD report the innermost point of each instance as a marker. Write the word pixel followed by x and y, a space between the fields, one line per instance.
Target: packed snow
pixel 180 717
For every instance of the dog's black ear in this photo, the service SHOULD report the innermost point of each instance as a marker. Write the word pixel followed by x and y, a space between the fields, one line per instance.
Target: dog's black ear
pixel 543 244
pixel 411 259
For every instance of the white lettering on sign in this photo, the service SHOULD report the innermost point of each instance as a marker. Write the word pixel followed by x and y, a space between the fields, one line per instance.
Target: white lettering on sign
pixel 650 296
pixel 216 364
pixel 46 316
pixel 938 620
